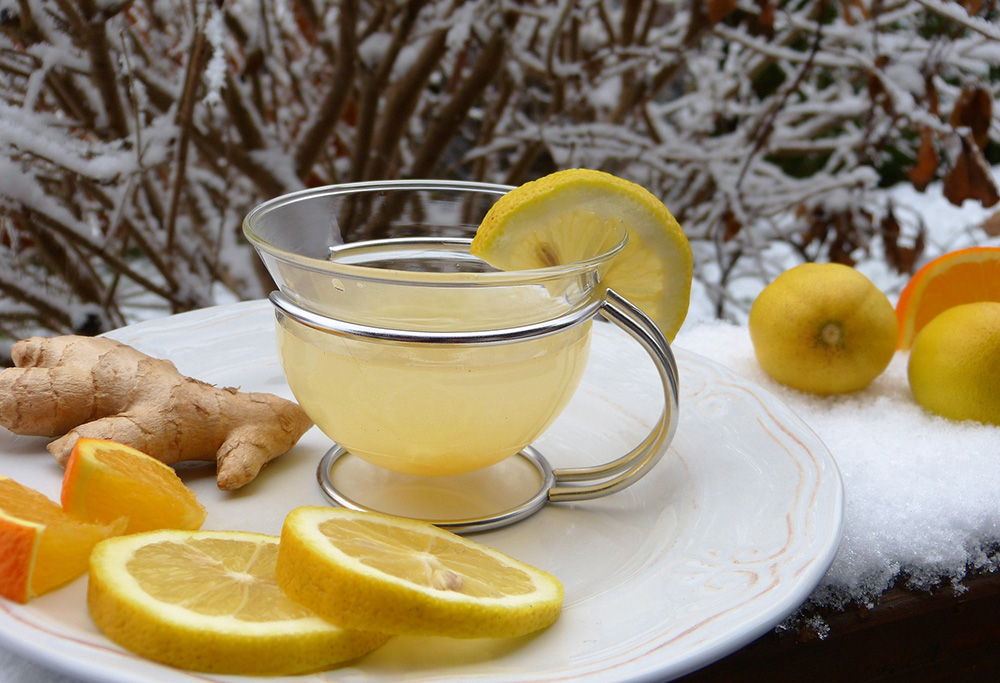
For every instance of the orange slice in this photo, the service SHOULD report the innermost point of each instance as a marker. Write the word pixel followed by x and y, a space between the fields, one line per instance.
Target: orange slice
pixel 105 480
pixel 959 277
pixel 41 547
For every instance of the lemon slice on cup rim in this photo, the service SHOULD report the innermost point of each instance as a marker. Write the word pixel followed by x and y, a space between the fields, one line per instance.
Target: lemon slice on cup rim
pixel 550 221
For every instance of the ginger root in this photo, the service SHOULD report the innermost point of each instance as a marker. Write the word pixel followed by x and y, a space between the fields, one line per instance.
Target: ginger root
pixel 100 388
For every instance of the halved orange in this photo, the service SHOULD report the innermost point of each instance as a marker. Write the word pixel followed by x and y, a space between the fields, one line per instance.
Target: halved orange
pixel 959 277
pixel 41 546
pixel 105 480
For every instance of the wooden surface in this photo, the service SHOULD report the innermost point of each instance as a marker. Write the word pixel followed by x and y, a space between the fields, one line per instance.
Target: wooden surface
pixel 910 636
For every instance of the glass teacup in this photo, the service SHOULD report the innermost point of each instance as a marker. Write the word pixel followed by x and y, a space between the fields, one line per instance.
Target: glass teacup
pixel 415 356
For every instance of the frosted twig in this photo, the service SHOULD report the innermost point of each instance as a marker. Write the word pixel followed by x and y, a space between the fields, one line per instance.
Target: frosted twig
pixel 103 71
pixel 955 12
pixel 400 103
pixel 758 136
pixel 337 92
pixel 447 120
pixel 373 87
pixel 194 59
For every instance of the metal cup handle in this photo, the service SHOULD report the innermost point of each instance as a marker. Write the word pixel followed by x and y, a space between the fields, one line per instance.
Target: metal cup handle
pixel 583 483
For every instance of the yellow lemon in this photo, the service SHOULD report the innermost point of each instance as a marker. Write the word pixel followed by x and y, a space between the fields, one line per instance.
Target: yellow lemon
pixel 376 572
pixel 954 366
pixel 824 328
pixel 209 601
pixel 551 221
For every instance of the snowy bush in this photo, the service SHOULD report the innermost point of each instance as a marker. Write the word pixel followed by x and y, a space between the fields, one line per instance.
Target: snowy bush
pixel 136 134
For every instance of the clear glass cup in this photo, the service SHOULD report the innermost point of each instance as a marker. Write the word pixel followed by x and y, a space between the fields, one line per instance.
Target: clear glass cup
pixel 409 352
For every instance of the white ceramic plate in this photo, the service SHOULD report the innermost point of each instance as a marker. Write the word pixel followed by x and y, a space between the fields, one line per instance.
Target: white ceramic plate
pixel 729 533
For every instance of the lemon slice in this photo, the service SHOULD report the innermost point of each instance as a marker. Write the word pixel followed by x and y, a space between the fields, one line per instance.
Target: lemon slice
pixel 551 221
pixel 208 601
pixel 376 572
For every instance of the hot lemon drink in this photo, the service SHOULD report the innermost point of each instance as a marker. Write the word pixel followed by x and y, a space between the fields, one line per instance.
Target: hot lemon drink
pixel 433 409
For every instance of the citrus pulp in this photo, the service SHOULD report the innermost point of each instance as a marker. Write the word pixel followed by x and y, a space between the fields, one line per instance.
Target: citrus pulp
pixel 208 601
pixel 41 547
pixel 958 277
pixel 394 575
pixel 105 480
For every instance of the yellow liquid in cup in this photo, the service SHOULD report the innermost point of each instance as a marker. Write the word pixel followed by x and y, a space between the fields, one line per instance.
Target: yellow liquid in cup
pixel 432 409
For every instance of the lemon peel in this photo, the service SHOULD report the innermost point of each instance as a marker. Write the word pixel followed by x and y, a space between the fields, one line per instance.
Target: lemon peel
pixel 954 365
pixel 823 328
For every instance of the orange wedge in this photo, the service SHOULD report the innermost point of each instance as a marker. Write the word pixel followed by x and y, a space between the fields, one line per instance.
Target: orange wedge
pixel 105 480
pixel 41 547
pixel 959 277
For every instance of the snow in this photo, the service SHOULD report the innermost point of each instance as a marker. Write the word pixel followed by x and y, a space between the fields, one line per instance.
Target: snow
pixel 215 70
pixel 922 500
pixel 30 132
pixel 373 48
pixel 958 13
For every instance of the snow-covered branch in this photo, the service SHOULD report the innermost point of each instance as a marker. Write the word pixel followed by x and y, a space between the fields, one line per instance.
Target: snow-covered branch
pixel 135 135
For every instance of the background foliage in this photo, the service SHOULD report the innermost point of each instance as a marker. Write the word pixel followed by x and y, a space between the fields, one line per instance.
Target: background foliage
pixel 135 134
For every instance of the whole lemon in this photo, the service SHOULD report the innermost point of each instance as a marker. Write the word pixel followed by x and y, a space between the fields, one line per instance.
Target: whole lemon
pixel 824 328
pixel 954 366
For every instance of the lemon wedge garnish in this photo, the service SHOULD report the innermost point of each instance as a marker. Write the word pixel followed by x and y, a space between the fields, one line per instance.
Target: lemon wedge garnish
pixel 377 572
pixel 209 601
pixel 552 221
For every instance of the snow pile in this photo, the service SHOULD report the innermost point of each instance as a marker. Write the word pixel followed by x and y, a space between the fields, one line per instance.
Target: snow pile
pixel 922 493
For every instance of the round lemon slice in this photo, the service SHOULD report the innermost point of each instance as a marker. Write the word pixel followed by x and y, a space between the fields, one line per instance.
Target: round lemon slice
pixel 208 601
pixel 376 572
pixel 551 221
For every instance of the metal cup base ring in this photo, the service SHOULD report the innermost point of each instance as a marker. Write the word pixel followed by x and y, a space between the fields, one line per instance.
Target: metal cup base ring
pixel 535 502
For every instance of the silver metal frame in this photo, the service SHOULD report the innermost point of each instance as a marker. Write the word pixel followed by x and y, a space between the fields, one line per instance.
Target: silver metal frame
pixel 558 486
pixel 344 328
pixel 531 505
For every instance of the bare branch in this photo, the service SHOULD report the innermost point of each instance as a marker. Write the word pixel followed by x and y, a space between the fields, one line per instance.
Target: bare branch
pixel 401 101
pixel 332 107
pixel 194 64
pixel 446 122
pixel 103 73
pixel 372 89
